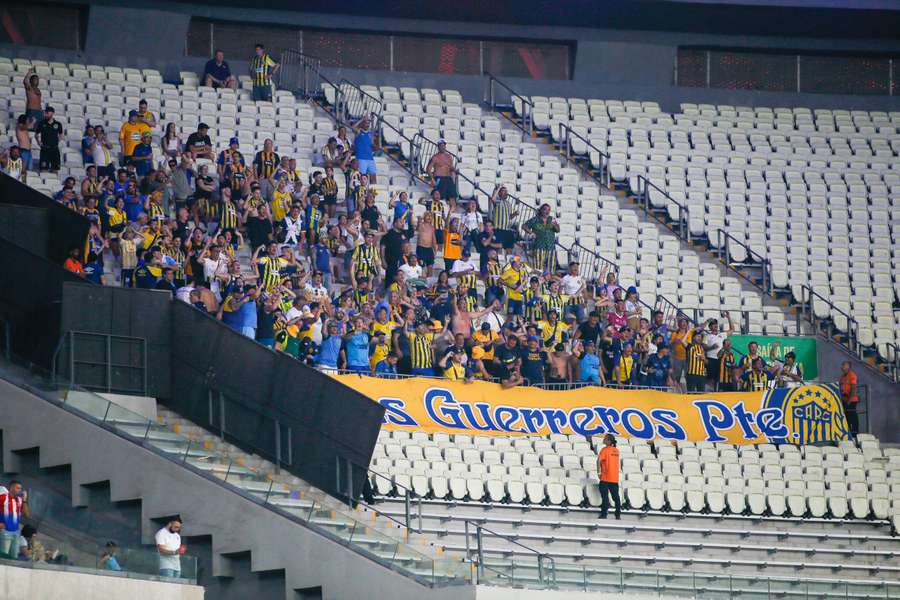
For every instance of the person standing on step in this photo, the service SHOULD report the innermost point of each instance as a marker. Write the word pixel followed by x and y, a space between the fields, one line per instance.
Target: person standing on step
pixel 170 549
pixel 262 69
pixel 849 383
pixel 608 470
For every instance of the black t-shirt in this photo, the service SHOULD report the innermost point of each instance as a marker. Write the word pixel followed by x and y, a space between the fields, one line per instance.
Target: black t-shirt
pixel 590 332
pixel 258 231
pixel 265 323
pixel 393 242
pixel 371 215
pixel 316 188
pixel 507 357
pixel 50 134
pixel 607 351
pixel 484 241
pixel 195 140
pixel 533 365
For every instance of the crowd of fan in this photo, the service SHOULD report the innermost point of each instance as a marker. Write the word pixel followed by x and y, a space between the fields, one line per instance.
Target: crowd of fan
pixel 455 292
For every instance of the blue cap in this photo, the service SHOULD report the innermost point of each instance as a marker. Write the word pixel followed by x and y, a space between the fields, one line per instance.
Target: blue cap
pixel 233 140
pixel 132 113
pixel 532 338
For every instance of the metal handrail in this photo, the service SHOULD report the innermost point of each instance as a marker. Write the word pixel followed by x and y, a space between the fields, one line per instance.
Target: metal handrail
pixel 806 311
pixel 356 104
pixel 565 135
pixel 527 110
pixel 764 263
pixel 684 212
pixel 409 517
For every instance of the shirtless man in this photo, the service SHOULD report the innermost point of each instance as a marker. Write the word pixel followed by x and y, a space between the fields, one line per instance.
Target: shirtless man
pixel 441 170
pixel 560 365
pixel 426 242
pixel 33 104
pixel 461 319
pixel 23 141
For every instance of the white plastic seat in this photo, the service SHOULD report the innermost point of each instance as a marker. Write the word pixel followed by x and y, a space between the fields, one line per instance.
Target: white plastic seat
pixel 439 487
pixel 535 492
pixel 496 491
pixel 516 491
pixel 458 488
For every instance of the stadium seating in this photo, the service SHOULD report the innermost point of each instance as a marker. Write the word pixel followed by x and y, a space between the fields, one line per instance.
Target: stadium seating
pixel 849 481
pixel 810 190
pixel 492 151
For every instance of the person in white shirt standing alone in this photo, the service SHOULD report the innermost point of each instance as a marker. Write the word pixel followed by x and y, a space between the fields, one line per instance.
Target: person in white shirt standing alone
pixel 168 544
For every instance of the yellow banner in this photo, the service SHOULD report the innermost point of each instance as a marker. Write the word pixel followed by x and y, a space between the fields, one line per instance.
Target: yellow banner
pixel 801 415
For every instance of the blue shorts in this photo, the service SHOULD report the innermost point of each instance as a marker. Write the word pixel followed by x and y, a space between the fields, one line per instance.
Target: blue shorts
pixel 514 307
pixel 367 167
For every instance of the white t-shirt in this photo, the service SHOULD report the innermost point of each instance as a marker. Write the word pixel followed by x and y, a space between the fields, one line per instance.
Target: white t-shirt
pixel 462 265
pixel 101 155
pixel 715 340
pixel 171 542
pixel 294 313
pixel 184 293
pixel 411 272
pixel 571 284
pixel 494 319
pixel 472 221
pixel 211 268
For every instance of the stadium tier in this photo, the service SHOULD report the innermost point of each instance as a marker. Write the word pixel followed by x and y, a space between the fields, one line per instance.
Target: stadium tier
pixel 544 248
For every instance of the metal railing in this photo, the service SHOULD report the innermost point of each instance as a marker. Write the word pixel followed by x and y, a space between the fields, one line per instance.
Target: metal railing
pixel 108 370
pixel 412 522
pixel 680 223
pixel 566 134
pixel 301 74
pixel 355 103
pixel 671 312
pixel 520 104
pixel 826 325
pixel 726 252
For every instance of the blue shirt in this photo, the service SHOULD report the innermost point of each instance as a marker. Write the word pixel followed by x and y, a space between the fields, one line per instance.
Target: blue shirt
pixel 134 206
pixel 329 352
pixel 86 155
pixel 142 167
pixel 358 350
pixel 590 367
pixel 403 208
pixel 248 314
pixel 385 369
pixel 661 366
pixel 323 258
pixel 113 564
pixel 362 145
pixel 220 72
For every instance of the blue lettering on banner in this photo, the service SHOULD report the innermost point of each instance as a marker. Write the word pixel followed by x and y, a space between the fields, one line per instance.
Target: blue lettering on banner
pixel 395 412
pixel 646 429
pixel 608 416
pixel 771 423
pixel 745 419
pixel 667 424
pixel 485 409
pixel 448 407
pixel 556 419
pixel 715 416
pixel 506 422
pixel 579 419
pixel 533 419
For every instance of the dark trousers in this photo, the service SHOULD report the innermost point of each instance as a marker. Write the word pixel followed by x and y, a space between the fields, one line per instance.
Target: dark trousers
pixel 607 488
pixel 852 417
pixel 49 159
pixel 696 383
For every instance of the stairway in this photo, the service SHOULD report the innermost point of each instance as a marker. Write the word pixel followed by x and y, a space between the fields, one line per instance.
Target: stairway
pixel 283 523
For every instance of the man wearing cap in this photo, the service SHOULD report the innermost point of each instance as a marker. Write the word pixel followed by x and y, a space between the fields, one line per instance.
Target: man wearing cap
pixel 142 155
pixel 130 135
pixel 198 143
pixel 49 134
pixel 229 156
pixel 442 172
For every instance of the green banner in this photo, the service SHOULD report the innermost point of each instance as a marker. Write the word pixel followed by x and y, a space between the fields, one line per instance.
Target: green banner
pixel 803 347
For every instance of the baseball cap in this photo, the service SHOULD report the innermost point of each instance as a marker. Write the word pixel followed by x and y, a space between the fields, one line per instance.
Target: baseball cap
pixel 202 126
pixel 517 258
pixel 632 290
pixel 436 324
pixel 532 338
pixel 467 252
pixel 485 326
pixel 233 141
pixel 48 108
pixel 146 134
pixel 131 113
pixel 441 141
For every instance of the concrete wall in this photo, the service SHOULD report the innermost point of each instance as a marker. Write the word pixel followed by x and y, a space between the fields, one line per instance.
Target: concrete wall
pixel 625 64
pixel 22 583
pixel 236 523
pixel 883 409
